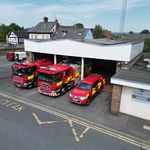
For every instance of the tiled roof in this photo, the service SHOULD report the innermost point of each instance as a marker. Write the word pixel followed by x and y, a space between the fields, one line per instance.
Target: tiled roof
pixel 42 27
pixel 20 34
pixel 61 32
pixel 134 37
pixel 70 32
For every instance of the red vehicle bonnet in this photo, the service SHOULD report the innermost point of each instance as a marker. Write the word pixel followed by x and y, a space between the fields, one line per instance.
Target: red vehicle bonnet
pixel 79 92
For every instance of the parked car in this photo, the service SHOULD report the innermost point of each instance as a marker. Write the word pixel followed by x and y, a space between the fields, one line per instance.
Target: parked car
pixel 10 55
pixel 17 56
pixel 87 89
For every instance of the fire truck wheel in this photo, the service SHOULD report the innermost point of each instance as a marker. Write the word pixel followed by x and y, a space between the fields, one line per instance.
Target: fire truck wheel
pixel 72 84
pixel 63 90
pixel 34 84
pixel 101 89
pixel 89 101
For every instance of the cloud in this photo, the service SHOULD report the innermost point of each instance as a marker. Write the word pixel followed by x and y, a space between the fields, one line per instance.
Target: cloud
pixel 28 14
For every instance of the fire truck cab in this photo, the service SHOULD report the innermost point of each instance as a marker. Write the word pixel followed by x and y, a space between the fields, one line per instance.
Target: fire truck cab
pixel 56 79
pixel 24 74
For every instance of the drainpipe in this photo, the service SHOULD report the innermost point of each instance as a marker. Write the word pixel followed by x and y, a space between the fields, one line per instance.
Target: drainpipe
pixel 82 68
pixel 33 57
pixel 55 59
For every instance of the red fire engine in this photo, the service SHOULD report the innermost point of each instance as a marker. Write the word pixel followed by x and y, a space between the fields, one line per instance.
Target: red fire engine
pixel 56 79
pixel 24 74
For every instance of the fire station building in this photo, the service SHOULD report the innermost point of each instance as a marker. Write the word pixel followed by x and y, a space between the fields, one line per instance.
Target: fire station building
pixel 124 63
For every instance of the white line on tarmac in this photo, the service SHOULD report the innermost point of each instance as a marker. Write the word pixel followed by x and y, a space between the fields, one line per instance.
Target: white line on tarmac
pixel 98 127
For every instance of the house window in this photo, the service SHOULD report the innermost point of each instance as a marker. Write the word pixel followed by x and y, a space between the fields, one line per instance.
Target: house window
pixel 47 36
pixel 43 36
pixel 35 36
pixel 31 36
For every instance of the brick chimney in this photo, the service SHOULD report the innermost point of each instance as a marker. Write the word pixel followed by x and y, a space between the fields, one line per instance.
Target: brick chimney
pixel 45 19
pixel 57 24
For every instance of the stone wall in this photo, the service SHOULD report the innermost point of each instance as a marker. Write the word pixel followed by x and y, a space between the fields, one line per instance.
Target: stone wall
pixel 30 56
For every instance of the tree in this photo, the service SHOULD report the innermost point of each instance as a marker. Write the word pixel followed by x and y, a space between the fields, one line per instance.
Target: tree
pixel 147 45
pixel 79 25
pixel 14 27
pixel 3 32
pixel 131 32
pixel 98 32
pixel 145 31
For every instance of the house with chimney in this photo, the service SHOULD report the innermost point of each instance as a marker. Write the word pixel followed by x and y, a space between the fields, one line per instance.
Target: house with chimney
pixel 53 30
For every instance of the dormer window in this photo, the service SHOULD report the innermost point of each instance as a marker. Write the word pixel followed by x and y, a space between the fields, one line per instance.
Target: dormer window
pixel 79 33
pixel 64 32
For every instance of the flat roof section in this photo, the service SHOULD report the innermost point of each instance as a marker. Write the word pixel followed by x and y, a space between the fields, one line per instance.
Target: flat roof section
pixel 103 42
pixel 101 49
pixel 138 74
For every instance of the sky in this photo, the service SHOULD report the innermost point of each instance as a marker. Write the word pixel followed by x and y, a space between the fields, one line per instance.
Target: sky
pixel 107 13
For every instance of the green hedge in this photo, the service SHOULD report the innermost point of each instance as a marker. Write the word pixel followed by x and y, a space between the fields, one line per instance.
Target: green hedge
pixel 147 45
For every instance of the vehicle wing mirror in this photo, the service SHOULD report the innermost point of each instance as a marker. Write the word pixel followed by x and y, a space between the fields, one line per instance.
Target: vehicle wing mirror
pixel 76 84
pixel 93 89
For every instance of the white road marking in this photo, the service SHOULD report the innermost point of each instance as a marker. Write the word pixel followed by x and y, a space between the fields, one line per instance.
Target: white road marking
pixel 97 127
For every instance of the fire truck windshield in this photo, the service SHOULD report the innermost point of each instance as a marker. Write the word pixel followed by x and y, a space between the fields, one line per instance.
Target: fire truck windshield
pixel 47 77
pixel 84 86
pixel 23 71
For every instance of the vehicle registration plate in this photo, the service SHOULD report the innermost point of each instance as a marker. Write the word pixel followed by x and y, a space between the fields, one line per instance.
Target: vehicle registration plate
pixel 45 93
pixel 75 100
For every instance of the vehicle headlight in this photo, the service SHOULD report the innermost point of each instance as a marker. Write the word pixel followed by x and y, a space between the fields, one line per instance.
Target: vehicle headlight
pixel 54 91
pixel 25 84
pixel 82 98
pixel 70 95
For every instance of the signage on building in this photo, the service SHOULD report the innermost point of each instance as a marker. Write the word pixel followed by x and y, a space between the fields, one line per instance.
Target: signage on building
pixel 140 95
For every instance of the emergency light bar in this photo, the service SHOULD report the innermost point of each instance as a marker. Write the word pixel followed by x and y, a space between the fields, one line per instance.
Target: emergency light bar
pixel 48 68
pixel 42 67
pixel 19 63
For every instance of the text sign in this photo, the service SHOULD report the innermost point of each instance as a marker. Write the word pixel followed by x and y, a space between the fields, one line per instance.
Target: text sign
pixel 12 105
pixel 142 96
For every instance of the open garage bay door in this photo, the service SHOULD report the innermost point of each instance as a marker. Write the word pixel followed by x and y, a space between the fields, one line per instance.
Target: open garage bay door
pixel 106 68
pixel 43 56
